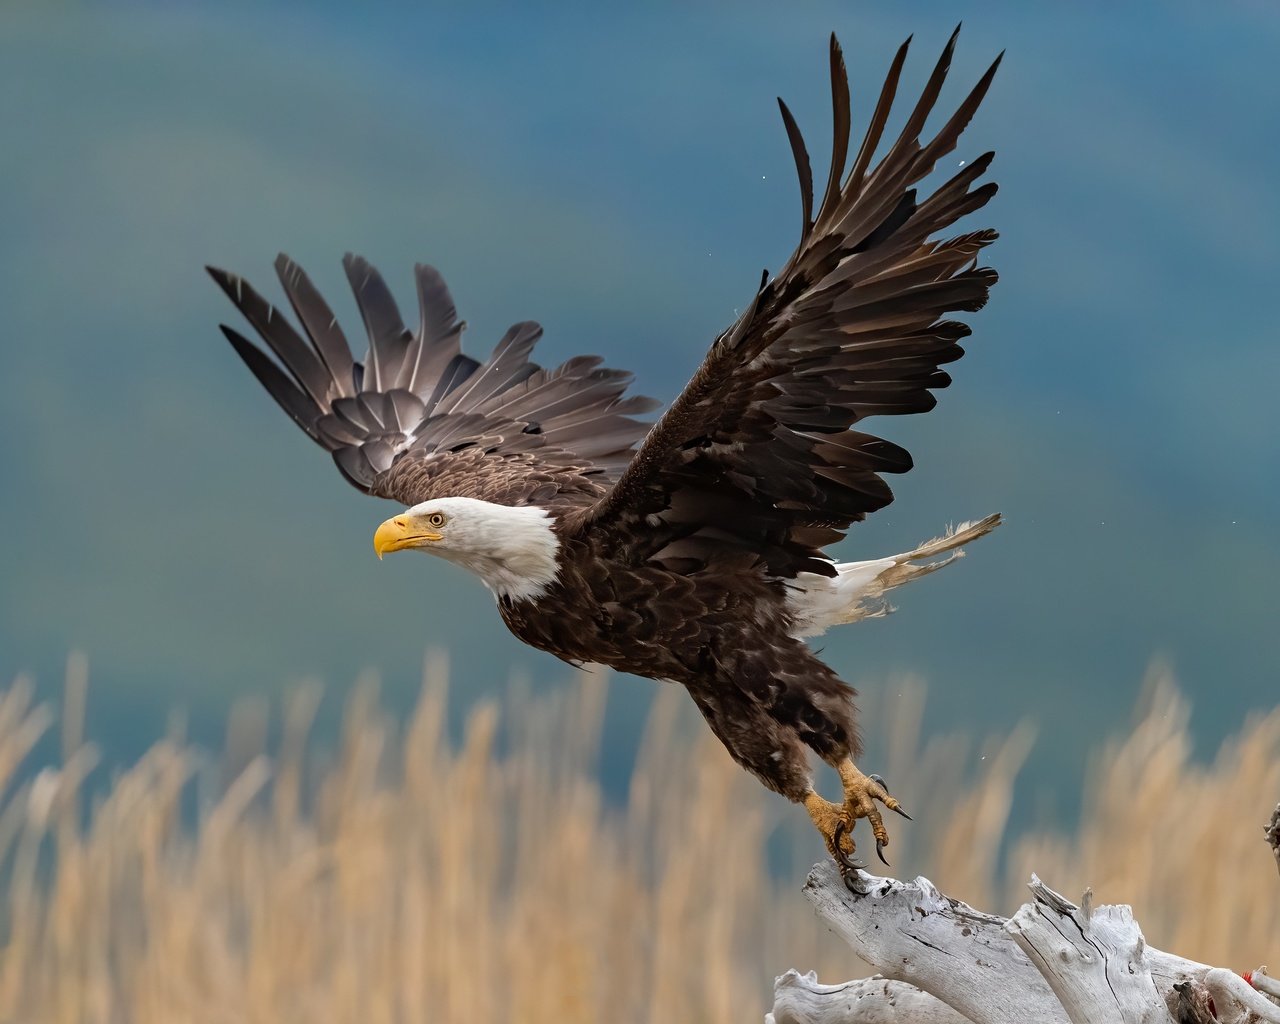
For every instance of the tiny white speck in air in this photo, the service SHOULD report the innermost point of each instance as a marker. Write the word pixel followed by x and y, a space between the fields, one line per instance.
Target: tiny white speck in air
pixel 963 162
pixel 762 178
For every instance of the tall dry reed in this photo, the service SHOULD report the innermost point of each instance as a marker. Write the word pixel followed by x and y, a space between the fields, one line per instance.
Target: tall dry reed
pixel 411 879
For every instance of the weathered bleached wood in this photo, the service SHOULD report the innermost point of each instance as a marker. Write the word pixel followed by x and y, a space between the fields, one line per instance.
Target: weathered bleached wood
pixel 1235 1002
pixel 1094 960
pixel 909 931
pixel 1264 983
pixel 802 999
pixel 1051 962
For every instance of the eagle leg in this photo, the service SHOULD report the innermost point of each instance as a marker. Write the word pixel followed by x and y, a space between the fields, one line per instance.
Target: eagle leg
pixel 836 828
pixel 860 795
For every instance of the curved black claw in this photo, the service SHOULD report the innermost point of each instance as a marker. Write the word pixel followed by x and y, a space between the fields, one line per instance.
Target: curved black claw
pixel 898 810
pixel 880 854
pixel 848 868
pixel 842 858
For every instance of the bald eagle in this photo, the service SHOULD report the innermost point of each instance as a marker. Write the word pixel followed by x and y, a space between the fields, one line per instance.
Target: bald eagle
pixel 691 550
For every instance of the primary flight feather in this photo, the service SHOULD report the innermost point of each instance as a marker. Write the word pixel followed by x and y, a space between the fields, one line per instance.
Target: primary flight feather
pixel 692 550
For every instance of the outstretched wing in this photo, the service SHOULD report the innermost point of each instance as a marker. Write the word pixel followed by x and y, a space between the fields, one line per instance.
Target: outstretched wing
pixel 418 419
pixel 756 460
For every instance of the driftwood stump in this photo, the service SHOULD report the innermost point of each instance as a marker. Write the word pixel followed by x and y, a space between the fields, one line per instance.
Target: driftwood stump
pixel 941 961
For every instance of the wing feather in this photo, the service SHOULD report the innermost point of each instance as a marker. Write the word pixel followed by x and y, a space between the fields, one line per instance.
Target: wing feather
pixel 803 171
pixel 288 395
pixel 318 321
pixel 388 337
pixel 509 364
pixel 880 117
pixel 439 336
pixel 300 360
pixel 840 122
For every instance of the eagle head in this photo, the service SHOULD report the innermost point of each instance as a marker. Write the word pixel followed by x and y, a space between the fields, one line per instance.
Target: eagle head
pixel 512 548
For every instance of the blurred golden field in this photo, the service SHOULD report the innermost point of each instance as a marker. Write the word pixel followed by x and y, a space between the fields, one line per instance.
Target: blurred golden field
pixel 408 879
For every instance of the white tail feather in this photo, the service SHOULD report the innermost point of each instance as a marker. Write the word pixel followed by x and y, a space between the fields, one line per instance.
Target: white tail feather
pixel 819 602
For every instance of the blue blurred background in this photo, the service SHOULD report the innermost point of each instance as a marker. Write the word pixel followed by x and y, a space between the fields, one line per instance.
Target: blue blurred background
pixel 622 176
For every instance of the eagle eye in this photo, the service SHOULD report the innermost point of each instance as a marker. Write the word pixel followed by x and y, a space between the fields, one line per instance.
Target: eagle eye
pixel 436 519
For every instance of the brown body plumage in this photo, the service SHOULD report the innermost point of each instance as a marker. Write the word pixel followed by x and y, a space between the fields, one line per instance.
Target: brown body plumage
pixel 694 556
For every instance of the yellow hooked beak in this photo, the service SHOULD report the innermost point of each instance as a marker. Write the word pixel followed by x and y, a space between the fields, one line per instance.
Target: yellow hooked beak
pixel 399 533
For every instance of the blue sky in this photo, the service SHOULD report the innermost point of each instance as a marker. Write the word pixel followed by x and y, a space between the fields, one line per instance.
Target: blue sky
pixel 622 176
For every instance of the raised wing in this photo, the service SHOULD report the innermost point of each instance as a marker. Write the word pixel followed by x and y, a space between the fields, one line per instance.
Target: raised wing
pixel 418 418
pixel 756 460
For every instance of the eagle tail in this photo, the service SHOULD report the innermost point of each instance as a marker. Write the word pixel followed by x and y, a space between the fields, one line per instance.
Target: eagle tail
pixel 857 591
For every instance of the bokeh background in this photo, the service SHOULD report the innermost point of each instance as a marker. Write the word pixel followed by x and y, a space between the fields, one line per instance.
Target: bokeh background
pixel 622 176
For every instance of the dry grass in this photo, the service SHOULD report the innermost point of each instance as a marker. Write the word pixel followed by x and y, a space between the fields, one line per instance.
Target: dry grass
pixel 409 880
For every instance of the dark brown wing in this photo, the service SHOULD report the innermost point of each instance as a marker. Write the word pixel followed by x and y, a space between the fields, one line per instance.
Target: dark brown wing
pixel 419 419
pixel 755 461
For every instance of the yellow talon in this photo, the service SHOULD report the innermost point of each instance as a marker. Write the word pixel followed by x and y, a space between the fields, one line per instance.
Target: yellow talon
pixel 861 792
